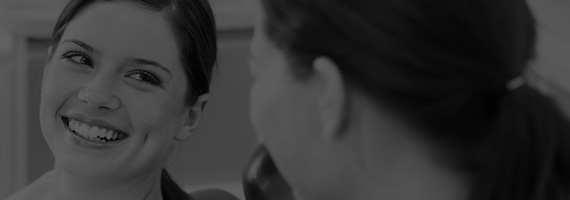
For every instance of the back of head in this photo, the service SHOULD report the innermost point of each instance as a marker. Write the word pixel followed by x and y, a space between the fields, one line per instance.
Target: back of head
pixel 444 66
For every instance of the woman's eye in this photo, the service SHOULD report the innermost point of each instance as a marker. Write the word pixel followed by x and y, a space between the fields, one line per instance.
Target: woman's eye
pixel 78 58
pixel 144 77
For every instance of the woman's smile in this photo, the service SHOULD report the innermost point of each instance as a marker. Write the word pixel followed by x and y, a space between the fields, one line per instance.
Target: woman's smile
pixel 94 133
pixel 124 83
pixel 113 94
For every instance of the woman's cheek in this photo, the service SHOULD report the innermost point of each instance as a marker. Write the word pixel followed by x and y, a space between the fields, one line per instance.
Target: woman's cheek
pixel 58 82
pixel 260 111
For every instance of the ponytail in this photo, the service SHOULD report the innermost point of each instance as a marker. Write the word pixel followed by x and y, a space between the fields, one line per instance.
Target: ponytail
pixel 528 156
pixel 171 190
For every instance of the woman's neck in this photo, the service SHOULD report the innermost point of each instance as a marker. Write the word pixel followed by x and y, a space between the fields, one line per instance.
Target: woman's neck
pixel 389 160
pixel 414 183
pixel 70 187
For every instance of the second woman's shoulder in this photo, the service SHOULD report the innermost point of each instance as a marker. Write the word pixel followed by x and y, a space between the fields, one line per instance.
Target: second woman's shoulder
pixel 38 189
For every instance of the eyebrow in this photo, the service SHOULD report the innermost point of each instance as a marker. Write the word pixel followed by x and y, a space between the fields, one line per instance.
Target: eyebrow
pixel 141 61
pixel 83 44
pixel 138 61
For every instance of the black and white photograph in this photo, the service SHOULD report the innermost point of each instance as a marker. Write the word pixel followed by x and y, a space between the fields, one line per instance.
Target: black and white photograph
pixel 284 100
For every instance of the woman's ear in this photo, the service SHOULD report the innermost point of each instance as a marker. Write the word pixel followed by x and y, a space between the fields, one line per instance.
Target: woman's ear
pixel 193 117
pixel 333 99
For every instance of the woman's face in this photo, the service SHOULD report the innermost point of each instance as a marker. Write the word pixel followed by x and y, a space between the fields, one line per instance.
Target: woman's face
pixel 284 113
pixel 113 92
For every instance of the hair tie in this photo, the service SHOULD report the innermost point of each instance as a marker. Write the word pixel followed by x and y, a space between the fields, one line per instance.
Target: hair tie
pixel 516 83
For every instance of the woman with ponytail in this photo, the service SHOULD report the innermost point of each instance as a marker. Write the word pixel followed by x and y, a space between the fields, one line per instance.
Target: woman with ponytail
pixel 406 99
pixel 125 82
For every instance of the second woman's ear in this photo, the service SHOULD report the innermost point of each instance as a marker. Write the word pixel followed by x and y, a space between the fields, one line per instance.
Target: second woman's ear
pixel 193 117
pixel 333 99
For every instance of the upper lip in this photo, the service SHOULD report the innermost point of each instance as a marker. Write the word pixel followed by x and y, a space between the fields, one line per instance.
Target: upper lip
pixel 95 122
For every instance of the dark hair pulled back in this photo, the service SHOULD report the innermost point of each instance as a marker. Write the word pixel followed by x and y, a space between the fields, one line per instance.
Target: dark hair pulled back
pixel 444 66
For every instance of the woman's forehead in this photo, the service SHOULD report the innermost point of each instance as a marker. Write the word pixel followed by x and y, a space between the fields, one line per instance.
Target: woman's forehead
pixel 125 29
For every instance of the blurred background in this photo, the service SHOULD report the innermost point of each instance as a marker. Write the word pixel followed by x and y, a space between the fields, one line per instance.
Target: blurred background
pixel 216 155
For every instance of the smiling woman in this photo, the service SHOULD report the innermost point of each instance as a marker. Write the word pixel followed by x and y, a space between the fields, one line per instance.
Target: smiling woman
pixel 124 81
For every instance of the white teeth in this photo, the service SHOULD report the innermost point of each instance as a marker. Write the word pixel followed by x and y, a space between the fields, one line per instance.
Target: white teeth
pixel 109 135
pixel 92 132
pixel 83 129
pixel 102 133
pixel 76 125
pixel 72 125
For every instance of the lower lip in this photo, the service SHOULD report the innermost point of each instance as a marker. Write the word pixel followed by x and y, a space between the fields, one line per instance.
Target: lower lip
pixel 91 144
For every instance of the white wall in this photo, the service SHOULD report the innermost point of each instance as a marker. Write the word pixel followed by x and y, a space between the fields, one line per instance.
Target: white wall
pixel 553 21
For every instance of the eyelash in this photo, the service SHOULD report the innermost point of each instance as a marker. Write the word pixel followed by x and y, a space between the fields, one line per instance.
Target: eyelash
pixel 84 60
pixel 145 76
pixel 150 77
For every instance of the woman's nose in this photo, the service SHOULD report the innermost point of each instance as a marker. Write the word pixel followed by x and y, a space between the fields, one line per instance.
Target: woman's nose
pixel 99 93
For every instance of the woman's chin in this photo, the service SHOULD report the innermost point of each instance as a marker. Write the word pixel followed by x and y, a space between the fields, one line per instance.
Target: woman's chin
pixel 89 168
pixel 87 159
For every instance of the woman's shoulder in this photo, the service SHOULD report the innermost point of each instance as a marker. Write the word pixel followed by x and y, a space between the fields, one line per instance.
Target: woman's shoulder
pixel 36 190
